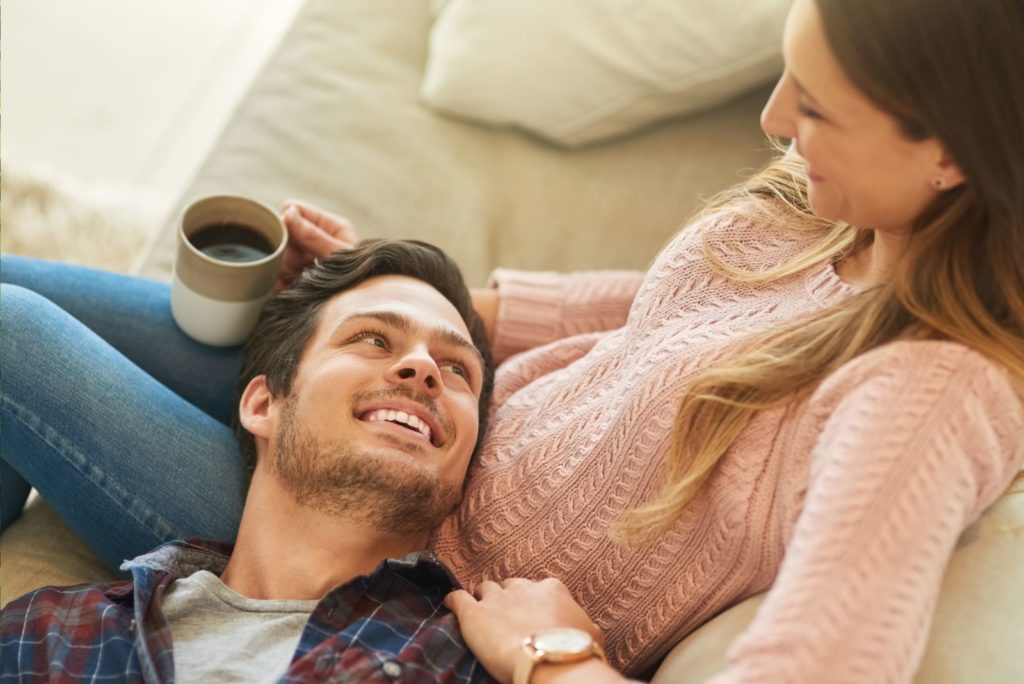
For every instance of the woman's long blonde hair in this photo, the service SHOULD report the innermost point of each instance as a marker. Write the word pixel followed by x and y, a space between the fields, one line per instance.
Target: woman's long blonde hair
pixel 954 73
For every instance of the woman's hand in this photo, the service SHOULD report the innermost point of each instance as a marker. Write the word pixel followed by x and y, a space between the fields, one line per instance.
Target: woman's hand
pixel 312 234
pixel 499 617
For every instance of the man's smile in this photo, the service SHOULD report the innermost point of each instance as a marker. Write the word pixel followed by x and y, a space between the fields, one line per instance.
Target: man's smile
pixel 411 418
pixel 400 419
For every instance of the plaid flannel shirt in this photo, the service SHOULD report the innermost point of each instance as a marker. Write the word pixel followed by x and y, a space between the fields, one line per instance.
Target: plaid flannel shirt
pixel 388 626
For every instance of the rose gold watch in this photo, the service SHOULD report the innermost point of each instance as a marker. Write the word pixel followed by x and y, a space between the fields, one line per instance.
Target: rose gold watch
pixel 554 646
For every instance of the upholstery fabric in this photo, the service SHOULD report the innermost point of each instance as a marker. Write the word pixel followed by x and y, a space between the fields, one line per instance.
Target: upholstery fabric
pixel 335 118
pixel 577 71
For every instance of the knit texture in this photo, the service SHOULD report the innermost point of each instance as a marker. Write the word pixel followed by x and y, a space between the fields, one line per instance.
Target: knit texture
pixel 847 505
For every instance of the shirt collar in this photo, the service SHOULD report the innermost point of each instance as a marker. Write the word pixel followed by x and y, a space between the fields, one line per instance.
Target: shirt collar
pixel 182 558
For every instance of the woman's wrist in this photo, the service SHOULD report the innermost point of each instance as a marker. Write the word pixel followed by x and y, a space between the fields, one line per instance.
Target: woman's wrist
pixel 589 671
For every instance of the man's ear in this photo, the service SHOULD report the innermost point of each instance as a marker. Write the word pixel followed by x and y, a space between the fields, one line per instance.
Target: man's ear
pixel 255 408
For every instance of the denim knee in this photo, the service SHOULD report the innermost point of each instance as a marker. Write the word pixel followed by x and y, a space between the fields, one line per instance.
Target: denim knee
pixel 26 318
pixel 21 310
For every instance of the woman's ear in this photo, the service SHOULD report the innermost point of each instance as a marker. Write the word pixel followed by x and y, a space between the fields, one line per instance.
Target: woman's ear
pixel 947 172
pixel 255 408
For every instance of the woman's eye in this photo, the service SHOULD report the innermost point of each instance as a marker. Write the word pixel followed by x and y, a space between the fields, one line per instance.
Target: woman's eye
pixel 810 113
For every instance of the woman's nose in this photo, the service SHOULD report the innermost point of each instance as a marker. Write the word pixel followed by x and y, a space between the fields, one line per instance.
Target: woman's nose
pixel 778 116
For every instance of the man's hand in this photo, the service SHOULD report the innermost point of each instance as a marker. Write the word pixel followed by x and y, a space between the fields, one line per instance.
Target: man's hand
pixel 499 617
pixel 312 234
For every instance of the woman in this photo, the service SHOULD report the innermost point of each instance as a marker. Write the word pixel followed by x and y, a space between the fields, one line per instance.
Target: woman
pixel 873 97
pixel 819 380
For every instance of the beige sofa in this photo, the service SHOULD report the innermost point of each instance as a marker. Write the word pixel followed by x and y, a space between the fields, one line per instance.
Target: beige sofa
pixel 335 118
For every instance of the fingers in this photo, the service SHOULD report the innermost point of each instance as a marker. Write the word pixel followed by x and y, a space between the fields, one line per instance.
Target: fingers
pixel 295 262
pixel 309 237
pixel 335 226
pixel 512 582
pixel 458 601
pixel 483 591
pixel 488 588
pixel 292 266
pixel 489 591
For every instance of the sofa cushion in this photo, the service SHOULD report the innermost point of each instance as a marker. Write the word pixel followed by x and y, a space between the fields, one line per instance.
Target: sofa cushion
pixel 335 118
pixel 38 549
pixel 575 71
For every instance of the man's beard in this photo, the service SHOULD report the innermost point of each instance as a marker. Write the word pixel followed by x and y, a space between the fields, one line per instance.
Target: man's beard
pixel 392 495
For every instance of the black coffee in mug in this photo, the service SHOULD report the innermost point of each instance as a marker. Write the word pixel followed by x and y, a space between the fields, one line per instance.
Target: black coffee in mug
pixel 231 241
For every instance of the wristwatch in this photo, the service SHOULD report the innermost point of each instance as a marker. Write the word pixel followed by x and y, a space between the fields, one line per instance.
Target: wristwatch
pixel 554 646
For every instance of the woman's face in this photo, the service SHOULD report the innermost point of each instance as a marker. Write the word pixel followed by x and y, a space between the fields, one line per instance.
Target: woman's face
pixel 862 168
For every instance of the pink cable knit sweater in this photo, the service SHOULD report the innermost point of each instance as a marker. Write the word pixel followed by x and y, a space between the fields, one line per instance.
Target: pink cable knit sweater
pixel 847 506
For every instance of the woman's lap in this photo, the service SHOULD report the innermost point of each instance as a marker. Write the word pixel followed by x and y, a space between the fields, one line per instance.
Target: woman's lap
pixel 133 315
pixel 123 459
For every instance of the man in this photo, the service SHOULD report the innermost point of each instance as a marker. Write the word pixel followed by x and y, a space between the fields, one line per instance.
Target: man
pixel 363 395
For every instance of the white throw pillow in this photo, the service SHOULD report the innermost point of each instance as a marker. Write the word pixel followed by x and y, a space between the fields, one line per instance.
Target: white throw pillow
pixel 575 71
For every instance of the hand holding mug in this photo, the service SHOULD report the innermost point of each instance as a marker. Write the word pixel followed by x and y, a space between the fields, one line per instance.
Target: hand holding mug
pixel 312 234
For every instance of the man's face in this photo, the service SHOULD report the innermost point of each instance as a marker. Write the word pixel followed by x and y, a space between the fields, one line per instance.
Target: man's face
pixel 382 416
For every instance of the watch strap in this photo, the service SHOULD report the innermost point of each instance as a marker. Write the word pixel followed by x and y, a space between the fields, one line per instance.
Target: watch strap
pixel 530 656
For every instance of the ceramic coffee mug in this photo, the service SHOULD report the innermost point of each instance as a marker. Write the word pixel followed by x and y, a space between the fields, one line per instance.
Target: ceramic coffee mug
pixel 229 253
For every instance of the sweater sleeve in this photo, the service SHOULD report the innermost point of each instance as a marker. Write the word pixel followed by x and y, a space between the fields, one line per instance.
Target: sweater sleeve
pixel 535 308
pixel 923 436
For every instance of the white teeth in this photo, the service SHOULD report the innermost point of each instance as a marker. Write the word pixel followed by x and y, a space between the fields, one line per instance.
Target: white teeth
pixel 401 417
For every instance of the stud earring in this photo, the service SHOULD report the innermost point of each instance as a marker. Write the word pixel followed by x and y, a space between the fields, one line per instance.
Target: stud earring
pixel 939 183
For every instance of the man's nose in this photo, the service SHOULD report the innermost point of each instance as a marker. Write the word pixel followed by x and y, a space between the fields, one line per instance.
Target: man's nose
pixel 417 371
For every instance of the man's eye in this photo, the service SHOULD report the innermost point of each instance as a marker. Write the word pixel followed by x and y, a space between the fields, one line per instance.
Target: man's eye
pixel 458 369
pixel 370 337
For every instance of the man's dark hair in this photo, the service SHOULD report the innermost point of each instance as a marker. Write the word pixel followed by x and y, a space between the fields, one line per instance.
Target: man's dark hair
pixel 289 319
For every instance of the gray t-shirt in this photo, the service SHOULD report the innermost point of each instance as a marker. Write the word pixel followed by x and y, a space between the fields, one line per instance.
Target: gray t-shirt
pixel 222 636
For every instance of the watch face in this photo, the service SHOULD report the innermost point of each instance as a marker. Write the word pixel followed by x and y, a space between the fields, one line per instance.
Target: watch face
pixel 563 641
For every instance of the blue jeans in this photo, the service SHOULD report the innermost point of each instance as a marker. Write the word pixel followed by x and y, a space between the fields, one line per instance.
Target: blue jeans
pixel 112 413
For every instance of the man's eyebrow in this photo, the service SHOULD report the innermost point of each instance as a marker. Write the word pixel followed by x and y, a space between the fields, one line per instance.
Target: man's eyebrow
pixel 405 324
